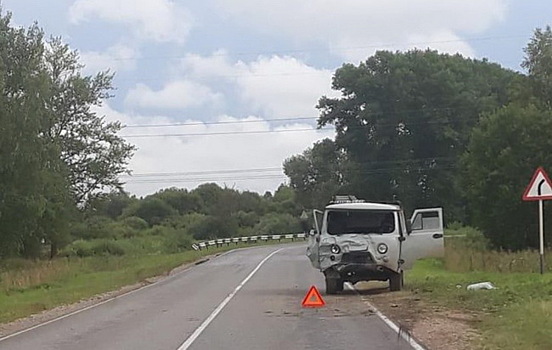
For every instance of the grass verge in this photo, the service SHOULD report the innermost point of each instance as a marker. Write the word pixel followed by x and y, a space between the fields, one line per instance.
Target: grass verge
pixel 517 315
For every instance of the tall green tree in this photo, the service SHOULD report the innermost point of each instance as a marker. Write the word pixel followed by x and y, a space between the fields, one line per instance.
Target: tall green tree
pixel 32 177
pixel 90 147
pixel 317 174
pixel 180 199
pixel 55 151
pixel 538 63
pixel 404 119
pixel 505 149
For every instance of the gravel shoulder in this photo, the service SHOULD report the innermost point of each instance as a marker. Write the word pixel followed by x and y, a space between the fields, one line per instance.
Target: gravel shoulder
pixel 434 326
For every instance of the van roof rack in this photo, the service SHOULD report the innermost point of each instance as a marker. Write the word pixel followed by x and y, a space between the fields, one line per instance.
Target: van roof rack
pixel 346 199
pixel 341 199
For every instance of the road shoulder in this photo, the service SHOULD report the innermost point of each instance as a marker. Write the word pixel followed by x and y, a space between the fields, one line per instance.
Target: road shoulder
pixel 433 325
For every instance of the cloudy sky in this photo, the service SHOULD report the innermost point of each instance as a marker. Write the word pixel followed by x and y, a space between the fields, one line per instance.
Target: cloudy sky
pixel 245 75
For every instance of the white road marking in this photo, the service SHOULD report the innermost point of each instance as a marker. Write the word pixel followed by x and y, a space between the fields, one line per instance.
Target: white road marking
pixel 405 335
pixel 221 306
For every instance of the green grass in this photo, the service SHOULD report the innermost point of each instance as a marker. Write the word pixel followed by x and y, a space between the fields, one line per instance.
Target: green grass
pixel 28 287
pixel 517 315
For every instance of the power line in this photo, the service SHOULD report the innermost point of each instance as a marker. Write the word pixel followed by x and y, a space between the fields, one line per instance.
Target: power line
pixel 254 132
pixel 208 172
pixel 208 179
pixel 223 133
pixel 365 114
pixel 333 48
pixel 281 176
pixel 217 123
pixel 244 172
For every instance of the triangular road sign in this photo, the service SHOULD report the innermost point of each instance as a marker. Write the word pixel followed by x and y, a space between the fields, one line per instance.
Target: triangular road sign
pixel 313 298
pixel 540 187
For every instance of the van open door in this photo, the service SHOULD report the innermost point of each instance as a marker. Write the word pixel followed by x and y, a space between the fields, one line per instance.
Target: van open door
pixel 426 238
pixel 314 239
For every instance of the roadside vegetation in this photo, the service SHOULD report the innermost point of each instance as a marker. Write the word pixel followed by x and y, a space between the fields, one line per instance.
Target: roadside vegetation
pixel 516 315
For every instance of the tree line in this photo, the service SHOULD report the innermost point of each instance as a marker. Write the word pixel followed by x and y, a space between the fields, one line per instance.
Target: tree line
pixel 433 129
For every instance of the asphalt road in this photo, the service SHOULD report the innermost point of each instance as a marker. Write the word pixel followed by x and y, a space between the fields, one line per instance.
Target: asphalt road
pixel 230 302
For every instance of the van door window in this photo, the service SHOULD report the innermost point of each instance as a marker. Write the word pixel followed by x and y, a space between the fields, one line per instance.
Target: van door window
pixel 426 221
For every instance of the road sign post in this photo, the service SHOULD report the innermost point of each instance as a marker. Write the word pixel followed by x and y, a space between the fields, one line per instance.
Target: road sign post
pixel 541 236
pixel 539 189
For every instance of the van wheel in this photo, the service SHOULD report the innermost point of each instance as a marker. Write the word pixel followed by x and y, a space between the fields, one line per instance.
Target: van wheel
pixel 396 281
pixel 334 285
pixel 340 283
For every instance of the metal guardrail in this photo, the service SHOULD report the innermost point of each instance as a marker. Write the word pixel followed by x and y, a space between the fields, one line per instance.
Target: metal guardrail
pixel 251 239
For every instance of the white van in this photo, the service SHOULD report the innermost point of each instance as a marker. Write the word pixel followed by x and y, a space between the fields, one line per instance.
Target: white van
pixel 357 241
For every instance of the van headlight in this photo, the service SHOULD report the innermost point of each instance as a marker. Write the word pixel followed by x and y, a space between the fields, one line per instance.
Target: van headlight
pixel 334 248
pixel 382 248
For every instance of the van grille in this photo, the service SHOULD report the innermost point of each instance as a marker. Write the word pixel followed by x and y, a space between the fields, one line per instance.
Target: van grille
pixel 357 258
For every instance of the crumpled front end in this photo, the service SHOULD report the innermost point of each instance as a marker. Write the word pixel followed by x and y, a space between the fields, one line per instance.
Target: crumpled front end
pixel 351 258
pixel 350 249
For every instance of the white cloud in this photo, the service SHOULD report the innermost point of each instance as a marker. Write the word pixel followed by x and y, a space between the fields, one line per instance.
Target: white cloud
pixel 116 58
pixel 206 153
pixel 284 86
pixel 160 20
pixel 356 28
pixel 174 95
pixel 277 86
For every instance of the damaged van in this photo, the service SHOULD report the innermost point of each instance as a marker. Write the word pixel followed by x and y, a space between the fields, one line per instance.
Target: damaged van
pixel 355 240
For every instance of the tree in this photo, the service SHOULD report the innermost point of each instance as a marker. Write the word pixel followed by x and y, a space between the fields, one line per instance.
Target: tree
pixel 90 147
pixel 110 204
pixel 151 209
pixel 317 174
pixel 180 199
pixel 404 119
pixel 538 62
pixel 55 151
pixel 214 227
pixel 505 149
pixel 278 223
pixel 32 177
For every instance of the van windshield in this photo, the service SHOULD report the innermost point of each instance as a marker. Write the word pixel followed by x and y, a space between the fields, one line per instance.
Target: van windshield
pixel 360 221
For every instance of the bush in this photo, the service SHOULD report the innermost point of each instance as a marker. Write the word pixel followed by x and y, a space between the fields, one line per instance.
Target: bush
pixel 120 230
pixel 92 228
pixel 158 230
pixel 467 237
pixel 183 221
pixel 246 219
pixel 152 210
pixel 100 247
pixel 213 227
pixel 177 241
pixel 278 223
pixel 136 223
pixel 108 248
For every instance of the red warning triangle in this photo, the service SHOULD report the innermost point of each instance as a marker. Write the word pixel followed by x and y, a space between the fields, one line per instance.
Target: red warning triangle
pixel 313 298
